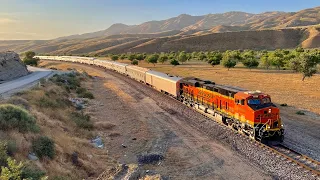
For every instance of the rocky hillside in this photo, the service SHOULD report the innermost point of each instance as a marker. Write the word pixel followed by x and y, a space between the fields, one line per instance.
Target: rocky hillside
pixel 11 66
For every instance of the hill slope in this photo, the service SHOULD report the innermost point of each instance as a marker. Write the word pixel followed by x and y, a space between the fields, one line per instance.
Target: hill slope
pixel 231 30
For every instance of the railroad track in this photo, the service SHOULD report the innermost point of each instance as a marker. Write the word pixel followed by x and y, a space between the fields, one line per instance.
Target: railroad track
pixel 298 158
pixel 280 151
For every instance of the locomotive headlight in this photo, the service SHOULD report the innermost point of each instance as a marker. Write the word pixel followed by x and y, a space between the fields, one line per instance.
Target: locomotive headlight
pixel 269 110
pixel 267 126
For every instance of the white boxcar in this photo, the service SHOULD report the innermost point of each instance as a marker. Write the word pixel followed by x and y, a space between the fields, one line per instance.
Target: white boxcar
pixel 108 64
pixel 163 82
pixel 98 63
pixel 137 73
pixel 119 67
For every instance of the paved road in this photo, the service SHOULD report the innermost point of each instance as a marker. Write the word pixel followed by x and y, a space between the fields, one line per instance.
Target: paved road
pixel 22 82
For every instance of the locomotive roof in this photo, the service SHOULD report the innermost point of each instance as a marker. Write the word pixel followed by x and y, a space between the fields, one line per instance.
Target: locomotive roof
pixel 229 88
pixel 205 83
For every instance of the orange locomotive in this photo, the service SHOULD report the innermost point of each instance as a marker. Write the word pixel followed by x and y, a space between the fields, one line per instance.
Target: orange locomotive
pixel 251 112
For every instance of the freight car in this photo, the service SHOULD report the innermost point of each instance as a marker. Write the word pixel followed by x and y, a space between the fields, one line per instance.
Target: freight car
pixel 249 112
pixel 137 73
pixel 163 82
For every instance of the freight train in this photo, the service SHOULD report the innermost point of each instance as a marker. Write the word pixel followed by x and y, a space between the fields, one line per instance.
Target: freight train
pixel 249 112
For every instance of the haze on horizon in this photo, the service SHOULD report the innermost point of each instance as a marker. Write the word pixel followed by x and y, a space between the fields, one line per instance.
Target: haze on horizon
pixel 38 19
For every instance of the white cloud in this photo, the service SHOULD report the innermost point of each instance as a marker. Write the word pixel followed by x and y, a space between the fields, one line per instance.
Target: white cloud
pixel 7 21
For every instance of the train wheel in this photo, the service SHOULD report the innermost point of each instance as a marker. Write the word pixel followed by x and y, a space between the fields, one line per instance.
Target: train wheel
pixel 240 129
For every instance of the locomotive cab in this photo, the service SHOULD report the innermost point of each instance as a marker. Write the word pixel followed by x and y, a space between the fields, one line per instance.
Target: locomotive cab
pixel 261 114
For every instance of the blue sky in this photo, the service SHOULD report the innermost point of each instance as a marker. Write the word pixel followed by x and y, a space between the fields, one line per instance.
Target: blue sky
pixel 46 19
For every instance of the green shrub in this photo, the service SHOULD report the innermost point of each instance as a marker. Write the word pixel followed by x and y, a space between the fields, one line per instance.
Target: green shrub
pixel 12 171
pixel 19 102
pixel 71 80
pixel 174 62
pixel 3 154
pixel 81 90
pixel 45 102
pixel 14 117
pixel 11 147
pixel 87 94
pixel 31 61
pixel 43 147
pixel 135 62
pixel 300 113
pixel 32 173
pixel 82 120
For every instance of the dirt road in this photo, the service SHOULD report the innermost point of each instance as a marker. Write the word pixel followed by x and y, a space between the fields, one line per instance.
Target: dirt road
pixel 20 83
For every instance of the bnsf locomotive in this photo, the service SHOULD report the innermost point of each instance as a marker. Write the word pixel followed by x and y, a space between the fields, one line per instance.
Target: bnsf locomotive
pixel 249 112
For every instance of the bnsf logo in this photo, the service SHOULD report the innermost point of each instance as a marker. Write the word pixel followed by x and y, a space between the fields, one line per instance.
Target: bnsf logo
pixel 205 95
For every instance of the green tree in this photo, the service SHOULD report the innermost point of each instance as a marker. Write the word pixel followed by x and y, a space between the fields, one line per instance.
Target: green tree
pixel 294 64
pixel 135 62
pixel 228 61
pixel 250 62
pixel 277 59
pixel 122 56
pixel 182 57
pixel 201 56
pixel 163 58
pixel 194 55
pixel 215 58
pixel 30 54
pixel 114 57
pixel 306 65
pixel 29 59
pixel 236 55
pixel 152 59
pixel 139 57
pixel 174 62
pixel 171 56
pixel 131 57
pixel 266 61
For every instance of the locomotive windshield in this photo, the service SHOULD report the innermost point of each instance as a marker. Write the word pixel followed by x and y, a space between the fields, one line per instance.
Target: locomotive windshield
pixel 254 101
pixel 260 103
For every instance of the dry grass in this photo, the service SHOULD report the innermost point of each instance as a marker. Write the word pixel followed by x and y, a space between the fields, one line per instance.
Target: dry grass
pixel 56 124
pixel 283 86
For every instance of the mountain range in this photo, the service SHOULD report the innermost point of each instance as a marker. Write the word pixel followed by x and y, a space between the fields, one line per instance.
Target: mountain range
pixel 230 30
